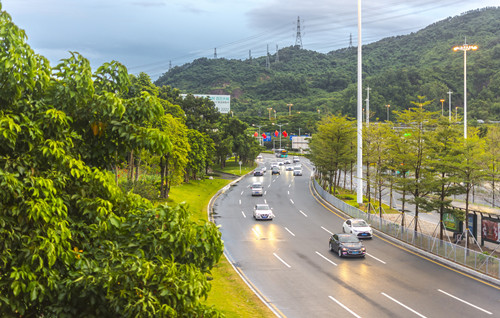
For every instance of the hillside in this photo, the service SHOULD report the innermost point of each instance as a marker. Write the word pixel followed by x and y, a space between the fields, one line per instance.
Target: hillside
pixel 396 69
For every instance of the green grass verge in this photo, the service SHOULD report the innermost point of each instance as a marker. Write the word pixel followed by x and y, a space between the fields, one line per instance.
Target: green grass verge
pixel 229 293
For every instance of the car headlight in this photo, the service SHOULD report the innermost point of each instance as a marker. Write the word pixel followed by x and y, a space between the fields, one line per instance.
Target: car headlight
pixel 344 249
pixel 363 249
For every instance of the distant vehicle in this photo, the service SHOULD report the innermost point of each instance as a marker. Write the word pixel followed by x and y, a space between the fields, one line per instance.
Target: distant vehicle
pixel 281 153
pixel 262 212
pixel 289 168
pixel 297 171
pixel 347 245
pixel 287 161
pixel 257 189
pixel 259 157
pixel 358 227
pixel 264 169
pixel 258 172
pixel 296 159
pixel 275 170
pixel 280 163
pixel 274 164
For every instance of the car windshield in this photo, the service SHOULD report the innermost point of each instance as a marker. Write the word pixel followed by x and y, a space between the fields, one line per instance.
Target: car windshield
pixel 348 239
pixel 257 185
pixel 359 223
pixel 262 207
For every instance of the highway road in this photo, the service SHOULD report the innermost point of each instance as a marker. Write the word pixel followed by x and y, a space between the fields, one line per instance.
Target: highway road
pixel 287 260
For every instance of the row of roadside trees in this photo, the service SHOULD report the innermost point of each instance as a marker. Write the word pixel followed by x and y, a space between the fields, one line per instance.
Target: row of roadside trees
pixel 422 155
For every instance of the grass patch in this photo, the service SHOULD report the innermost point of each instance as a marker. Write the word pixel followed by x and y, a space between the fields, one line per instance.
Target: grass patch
pixel 229 294
pixel 234 167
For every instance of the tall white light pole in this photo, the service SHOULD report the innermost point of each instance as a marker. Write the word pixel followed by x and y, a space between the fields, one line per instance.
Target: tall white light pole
pixel 359 165
pixel 368 105
pixel 280 133
pixel 465 48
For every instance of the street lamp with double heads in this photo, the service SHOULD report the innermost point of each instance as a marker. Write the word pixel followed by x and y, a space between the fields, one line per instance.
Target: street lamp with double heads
pixel 388 106
pixel 466 47
pixel 289 109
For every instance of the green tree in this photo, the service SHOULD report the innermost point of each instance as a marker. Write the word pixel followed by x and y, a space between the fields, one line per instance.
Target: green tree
pixel 330 148
pixel 72 244
pixel 445 145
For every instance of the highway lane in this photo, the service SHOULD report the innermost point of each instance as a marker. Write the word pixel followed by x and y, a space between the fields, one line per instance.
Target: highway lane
pixel 287 260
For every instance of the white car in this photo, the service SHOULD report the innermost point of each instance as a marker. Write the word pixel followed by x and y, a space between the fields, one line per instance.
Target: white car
pixel 297 171
pixel 264 169
pixel 259 157
pixel 296 159
pixel 358 227
pixel 257 189
pixel 262 212
pixel 289 168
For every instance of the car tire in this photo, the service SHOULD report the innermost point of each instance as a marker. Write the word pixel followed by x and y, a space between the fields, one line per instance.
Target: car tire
pixel 343 230
pixel 331 247
pixel 339 252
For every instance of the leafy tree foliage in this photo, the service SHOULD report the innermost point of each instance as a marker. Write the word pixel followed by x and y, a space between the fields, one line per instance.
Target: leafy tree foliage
pixel 72 244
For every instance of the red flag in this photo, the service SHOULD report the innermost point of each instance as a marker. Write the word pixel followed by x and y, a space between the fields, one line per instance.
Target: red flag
pixel 264 136
pixel 284 133
pixel 276 133
pixel 255 134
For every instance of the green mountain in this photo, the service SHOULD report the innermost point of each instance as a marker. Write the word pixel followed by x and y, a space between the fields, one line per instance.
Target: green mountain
pixel 396 69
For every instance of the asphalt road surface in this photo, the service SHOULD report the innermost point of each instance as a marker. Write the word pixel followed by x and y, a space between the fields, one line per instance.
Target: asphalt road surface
pixel 287 260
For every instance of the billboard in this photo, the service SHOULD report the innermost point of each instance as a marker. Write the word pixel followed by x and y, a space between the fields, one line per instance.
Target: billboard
pixel 300 142
pixel 490 229
pixel 222 102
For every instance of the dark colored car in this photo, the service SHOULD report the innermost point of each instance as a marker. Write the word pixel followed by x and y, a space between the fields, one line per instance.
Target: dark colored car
pixel 347 245
pixel 258 172
pixel 275 170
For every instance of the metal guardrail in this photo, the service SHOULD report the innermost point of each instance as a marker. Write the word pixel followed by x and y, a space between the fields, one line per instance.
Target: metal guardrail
pixel 480 262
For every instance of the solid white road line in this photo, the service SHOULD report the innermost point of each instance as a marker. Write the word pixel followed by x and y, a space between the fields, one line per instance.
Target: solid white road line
pixel 289 231
pixel 303 213
pixel 465 302
pixel 324 257
pixel 243 214
pixel 327 230
pixel 344 306
pixel 281 260
pixel 403 305
pixel 381 261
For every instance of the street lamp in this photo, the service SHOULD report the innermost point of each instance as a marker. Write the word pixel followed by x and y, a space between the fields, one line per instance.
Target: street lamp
pixel 456 113
pixel 466 47
pixel 289 109
pixel 442 111
pixel 275 114
pixel 388 106
pixel 269 109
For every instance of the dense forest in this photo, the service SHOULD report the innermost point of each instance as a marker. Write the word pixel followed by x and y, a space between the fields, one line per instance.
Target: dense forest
pixel 396 69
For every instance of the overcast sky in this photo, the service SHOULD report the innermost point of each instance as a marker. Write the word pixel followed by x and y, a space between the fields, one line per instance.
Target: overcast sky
pixel 149 35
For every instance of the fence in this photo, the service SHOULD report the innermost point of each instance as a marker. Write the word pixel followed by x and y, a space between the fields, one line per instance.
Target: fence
pixel 480 262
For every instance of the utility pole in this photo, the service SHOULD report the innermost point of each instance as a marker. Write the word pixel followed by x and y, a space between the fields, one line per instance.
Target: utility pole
pixel 250 55
pixel 268 65
pixel 368 106
pixel 298 38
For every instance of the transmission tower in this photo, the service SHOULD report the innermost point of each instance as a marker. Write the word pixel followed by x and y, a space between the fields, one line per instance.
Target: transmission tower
pixel 250 55
pixel 277 54
pixel 169 65
pixel 298 39
pixel 350 40
pixel 215 53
